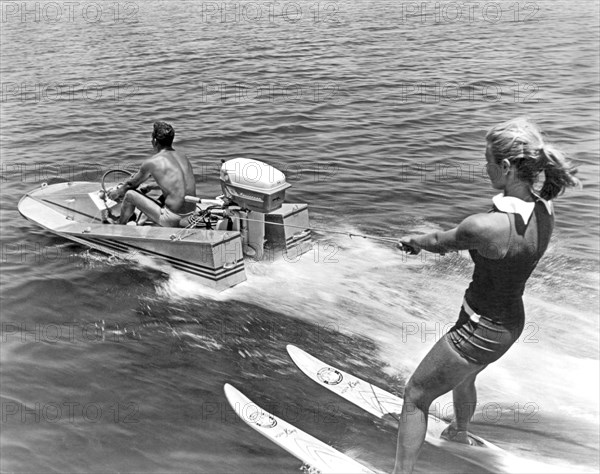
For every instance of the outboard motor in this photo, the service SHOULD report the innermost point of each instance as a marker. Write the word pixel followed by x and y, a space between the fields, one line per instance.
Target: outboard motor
pixel 253 205
pixel 258 189
pixel 253 185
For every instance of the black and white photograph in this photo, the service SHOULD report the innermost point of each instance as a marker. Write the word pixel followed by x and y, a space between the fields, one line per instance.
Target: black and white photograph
pixel 312 236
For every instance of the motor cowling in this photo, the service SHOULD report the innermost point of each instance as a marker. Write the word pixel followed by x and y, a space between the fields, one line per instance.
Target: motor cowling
pixel 253 184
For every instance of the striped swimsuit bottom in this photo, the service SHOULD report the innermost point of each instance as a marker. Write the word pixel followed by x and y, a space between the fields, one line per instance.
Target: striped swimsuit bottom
pixel 481 340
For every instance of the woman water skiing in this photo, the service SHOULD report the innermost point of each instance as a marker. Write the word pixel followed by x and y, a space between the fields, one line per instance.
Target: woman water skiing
pixel 505 245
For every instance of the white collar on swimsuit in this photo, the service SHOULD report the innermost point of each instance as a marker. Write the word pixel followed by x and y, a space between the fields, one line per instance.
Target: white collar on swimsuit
pixel 515 205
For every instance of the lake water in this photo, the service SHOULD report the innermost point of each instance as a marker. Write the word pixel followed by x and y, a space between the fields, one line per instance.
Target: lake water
pixel 377 113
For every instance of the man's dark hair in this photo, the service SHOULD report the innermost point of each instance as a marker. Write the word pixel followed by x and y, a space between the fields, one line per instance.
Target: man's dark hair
pixel 163 133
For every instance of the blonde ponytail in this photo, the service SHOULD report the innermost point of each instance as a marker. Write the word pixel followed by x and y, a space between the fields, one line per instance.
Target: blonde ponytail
pixel 558 172
pixel 520 142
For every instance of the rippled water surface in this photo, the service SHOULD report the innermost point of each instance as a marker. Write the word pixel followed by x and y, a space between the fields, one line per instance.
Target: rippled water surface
pixel 377 112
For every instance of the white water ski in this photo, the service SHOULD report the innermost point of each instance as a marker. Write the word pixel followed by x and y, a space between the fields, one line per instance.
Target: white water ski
pixel 379 403
pixel 307 448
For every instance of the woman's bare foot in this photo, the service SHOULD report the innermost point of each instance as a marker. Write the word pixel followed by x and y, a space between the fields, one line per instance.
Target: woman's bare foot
pixel 456 436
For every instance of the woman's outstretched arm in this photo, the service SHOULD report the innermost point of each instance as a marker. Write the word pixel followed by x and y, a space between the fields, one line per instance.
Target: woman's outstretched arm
pixel 477 232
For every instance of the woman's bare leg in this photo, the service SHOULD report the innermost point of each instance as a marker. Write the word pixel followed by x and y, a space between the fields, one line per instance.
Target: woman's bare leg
pixel 440 371
pixel 464 396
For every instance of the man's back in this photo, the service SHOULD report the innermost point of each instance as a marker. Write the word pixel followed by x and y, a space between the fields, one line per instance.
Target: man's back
pixel 173 173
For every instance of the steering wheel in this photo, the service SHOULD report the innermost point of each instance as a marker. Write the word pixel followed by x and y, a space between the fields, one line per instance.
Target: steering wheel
pixel 109 172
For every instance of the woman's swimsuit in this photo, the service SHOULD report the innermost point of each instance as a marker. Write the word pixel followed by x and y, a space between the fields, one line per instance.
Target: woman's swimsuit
pixel 492 316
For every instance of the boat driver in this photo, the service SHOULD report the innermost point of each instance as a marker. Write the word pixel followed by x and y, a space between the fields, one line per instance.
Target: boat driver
pixel 174 176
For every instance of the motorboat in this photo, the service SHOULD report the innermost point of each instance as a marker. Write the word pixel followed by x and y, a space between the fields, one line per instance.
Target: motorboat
pixel 249 220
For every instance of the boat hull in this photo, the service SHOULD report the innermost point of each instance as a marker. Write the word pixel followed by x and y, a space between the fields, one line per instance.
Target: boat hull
pixel 66 209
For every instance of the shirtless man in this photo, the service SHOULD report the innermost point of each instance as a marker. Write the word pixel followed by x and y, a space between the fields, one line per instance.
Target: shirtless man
pixel 174 176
